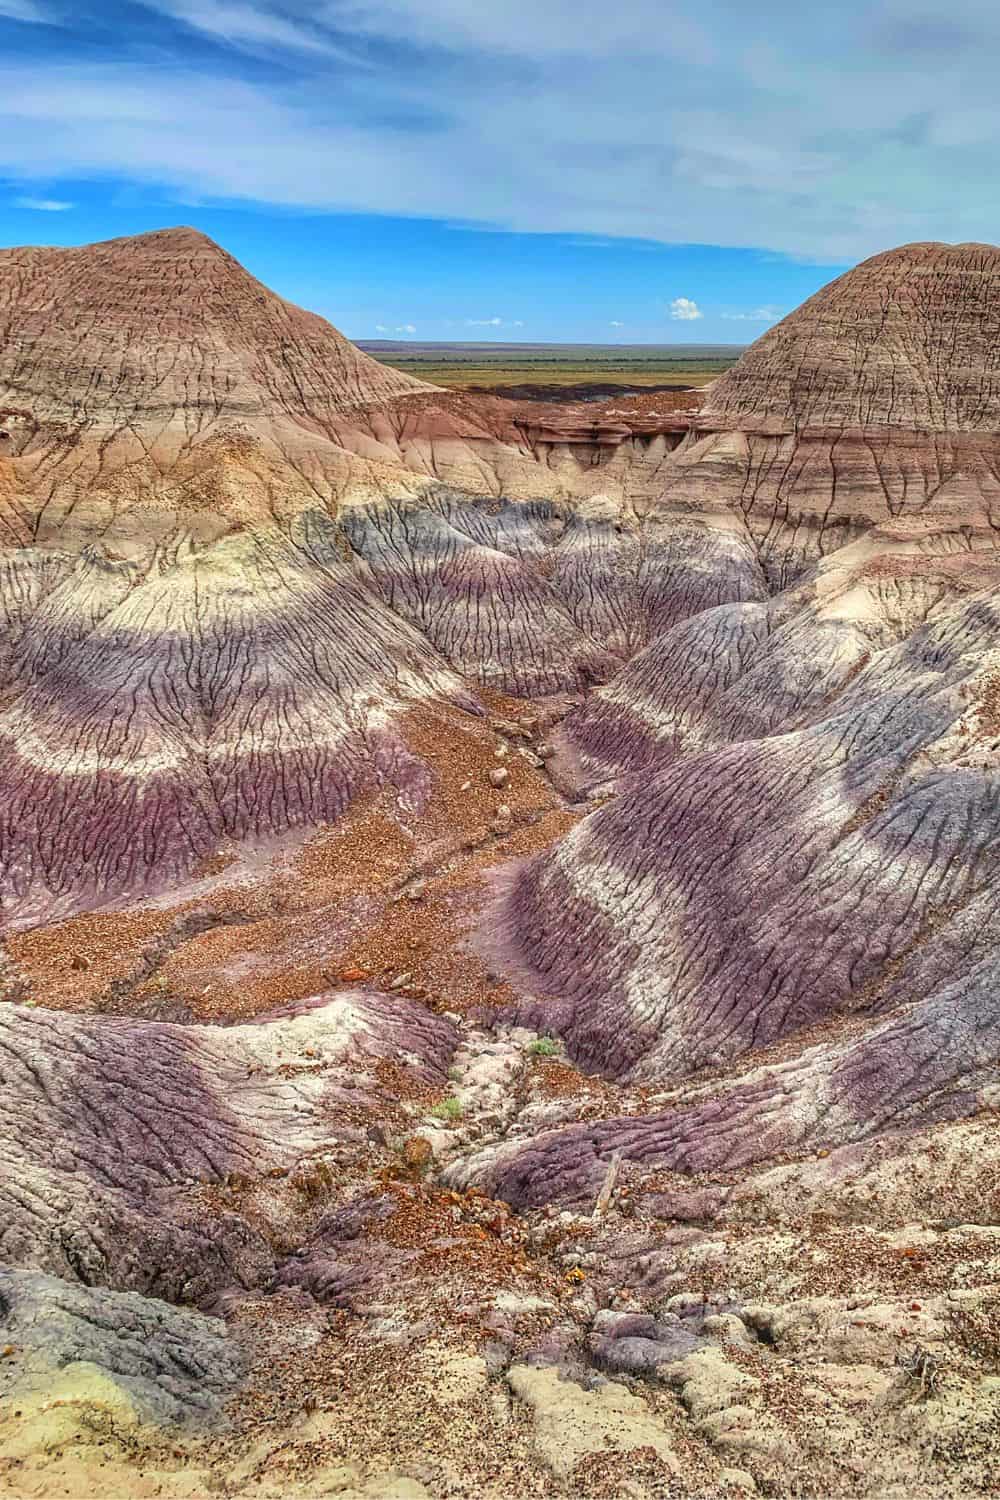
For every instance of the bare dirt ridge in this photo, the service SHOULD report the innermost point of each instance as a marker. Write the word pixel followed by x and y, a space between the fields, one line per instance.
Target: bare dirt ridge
pixel 500 959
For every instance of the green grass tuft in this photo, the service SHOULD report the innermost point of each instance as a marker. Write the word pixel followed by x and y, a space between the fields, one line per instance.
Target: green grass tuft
pixel 448 1109
pixel 543 1046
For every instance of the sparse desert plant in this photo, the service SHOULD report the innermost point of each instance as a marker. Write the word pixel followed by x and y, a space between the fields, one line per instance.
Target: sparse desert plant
pixel 448 1109
pixel 543 1046
pixel 921 1367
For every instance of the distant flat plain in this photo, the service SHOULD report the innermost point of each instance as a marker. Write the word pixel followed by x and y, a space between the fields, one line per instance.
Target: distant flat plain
pixel 547 370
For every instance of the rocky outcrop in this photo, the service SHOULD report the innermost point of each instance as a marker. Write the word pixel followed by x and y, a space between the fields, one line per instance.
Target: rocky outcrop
pixel 182 327
pixel 940 1054
pixel 240 690
pixel 131 1145
pixel 171 1364
pixel 906 340
pixel 735 895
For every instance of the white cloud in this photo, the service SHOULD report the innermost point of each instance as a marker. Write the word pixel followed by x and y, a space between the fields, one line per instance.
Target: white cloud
pixel 685 310
pixel 23 10
pixel 249 26
pixel 44 205
pixel 615 323
pixel 494 323
pixel 522 28
pixel 755 315
pixel 381 328
pixel 787 135
pixel 405 328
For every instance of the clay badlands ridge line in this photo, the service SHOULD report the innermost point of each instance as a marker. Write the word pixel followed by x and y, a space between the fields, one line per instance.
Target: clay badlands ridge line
pixel 680 729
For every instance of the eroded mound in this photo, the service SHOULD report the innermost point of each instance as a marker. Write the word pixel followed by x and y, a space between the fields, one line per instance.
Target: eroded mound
pixel 166 322
pixel 500 958
pixel 871 402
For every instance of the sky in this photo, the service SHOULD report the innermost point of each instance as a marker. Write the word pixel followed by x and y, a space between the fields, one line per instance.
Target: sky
pixel 611 171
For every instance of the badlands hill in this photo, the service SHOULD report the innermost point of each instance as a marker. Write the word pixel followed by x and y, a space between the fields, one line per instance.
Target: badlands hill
pixel 500 958
pixel 906 341
pixel 168 324
pixel 152 389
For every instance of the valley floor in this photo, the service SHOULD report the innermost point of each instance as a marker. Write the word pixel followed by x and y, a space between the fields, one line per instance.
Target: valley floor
pixel 828 1324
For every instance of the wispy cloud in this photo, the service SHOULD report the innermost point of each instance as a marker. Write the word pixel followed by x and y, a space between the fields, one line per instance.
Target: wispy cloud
pixel 405 328
pixel 251 26
pixel 522 28
pixel 615 324
pixel 44 205
pixel 685 310
pixel 24 10
pixel 494 323
pixel 540 119
pixel 755 315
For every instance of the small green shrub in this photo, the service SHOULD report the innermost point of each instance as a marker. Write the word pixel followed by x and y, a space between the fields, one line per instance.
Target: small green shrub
pixel 543 1046
pixel 448 1109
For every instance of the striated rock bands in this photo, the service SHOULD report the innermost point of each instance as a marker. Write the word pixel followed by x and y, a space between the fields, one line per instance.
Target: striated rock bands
pixel 500 966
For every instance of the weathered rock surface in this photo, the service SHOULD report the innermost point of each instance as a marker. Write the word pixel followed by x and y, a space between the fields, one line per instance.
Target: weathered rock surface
pixel 732 896
pixel 572 1424
pixel 172 1364
pixel 117 1129
pixel 862 405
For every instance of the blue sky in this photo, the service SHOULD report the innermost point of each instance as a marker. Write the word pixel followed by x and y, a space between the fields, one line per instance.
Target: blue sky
pixel 595 170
